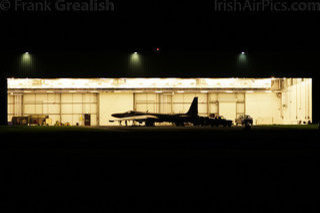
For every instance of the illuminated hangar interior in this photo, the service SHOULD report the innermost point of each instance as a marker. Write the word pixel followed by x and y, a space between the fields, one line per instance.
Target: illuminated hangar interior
pixel 266 100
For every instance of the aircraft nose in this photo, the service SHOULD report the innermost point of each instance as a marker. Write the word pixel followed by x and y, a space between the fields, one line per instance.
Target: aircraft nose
pixel 116 115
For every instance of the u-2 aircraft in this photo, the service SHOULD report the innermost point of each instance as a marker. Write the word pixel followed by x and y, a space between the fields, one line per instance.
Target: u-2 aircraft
pixel 151 118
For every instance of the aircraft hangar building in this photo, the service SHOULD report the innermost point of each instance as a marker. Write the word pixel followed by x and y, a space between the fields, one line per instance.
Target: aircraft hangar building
pixel 69 100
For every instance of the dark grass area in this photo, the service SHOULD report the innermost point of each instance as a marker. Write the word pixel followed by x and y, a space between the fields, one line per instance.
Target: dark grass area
pixel 267 169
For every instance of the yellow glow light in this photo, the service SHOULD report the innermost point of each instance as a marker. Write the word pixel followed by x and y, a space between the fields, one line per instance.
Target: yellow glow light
pixel 140 83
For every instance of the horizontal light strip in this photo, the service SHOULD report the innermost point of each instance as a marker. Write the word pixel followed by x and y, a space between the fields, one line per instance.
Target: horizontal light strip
pixel 141 83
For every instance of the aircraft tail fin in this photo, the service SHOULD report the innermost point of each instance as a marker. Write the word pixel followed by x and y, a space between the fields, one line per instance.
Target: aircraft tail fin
pixel 194 107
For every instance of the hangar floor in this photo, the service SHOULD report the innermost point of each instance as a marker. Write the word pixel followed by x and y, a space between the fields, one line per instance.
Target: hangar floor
pixel 267 169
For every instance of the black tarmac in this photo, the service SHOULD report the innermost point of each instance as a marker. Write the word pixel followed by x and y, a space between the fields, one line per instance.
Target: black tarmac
pixel 160 169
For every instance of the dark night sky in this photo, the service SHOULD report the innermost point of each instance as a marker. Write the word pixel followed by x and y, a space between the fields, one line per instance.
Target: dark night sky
pixel 170 25
pixel 195 41
pixel 278 43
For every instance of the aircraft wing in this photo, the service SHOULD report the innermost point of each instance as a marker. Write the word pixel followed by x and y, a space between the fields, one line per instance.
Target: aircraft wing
pixel 139 118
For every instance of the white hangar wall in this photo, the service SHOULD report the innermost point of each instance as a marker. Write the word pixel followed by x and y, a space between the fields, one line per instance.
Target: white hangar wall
pixel 264 108
pixel 297 101
pixel 268 101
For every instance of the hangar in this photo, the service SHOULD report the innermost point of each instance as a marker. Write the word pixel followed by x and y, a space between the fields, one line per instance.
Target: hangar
pixel 70 100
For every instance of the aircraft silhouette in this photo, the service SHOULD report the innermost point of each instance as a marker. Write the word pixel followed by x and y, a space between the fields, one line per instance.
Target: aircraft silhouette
pixel 151 118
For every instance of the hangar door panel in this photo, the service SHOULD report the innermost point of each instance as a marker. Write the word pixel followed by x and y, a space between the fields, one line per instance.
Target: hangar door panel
pixel 74 106
pixel 182 102
pixel 202 104
pixel 228 110
pixel 214 108
pixel 166 103
pixel 14 106
pixel 213 103
pixel 110 103
pixel 146 102
pixel 178 103
pixel 240 109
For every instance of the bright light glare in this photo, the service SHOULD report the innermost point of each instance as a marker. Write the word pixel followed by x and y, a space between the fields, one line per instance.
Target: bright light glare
pixel 139 83
pixel 26 58
pixel 135 58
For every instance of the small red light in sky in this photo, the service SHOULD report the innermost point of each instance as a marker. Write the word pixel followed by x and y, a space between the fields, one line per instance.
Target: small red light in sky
pixel 158 49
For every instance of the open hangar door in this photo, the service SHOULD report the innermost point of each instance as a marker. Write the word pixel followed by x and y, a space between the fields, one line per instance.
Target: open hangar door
pixel 60 107
pixel 75 106
pixel 268 101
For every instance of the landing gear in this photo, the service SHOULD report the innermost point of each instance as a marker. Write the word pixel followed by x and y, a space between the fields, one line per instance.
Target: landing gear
pixel 179 124
pixel 247 125
pixel 149 123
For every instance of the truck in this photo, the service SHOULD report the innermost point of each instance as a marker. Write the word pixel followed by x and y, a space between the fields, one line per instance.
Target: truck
pixel 214 120
pixel 244 120
pixel 30 120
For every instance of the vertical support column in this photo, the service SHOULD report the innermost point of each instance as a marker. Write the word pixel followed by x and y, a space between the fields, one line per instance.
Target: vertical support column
pixel 35 103
pixel 157 104
pixel 134 101
pixel 82 109
pixel 72 103
pixel 208 104
pixel 22 104
pixel 245 102
pixel 98 108
pixel 218 104
pixel 171 102
pixel 60 107
pixel 14 97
